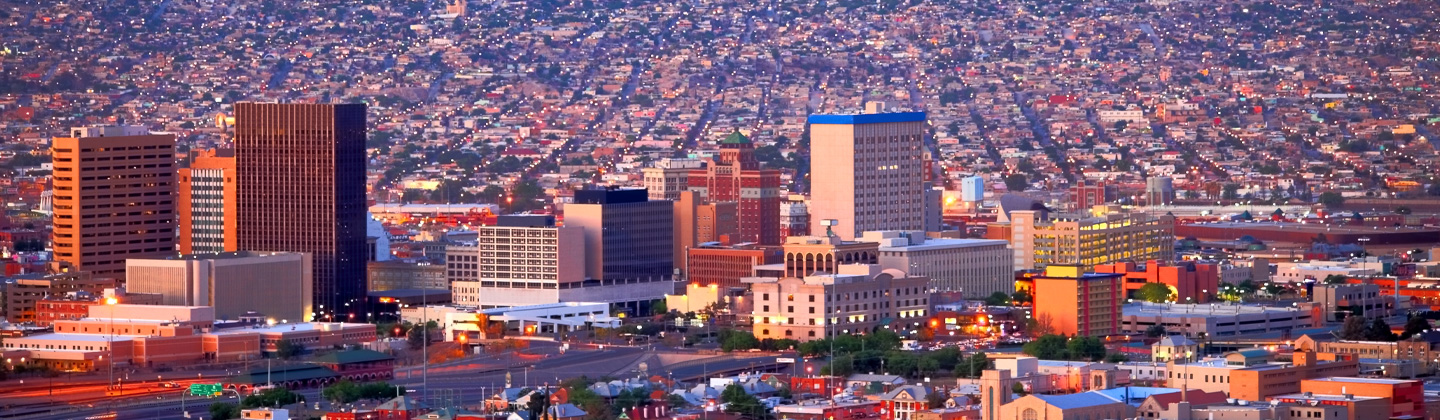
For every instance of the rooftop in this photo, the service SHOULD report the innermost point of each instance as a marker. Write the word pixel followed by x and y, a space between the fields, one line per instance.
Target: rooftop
pixel 1203 310
pixel 931 244
pixel 891 117
pixel 1367 380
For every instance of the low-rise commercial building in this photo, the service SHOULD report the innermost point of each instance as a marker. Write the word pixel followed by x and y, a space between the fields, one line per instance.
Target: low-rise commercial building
pixel 1337 301
pixel 977 267
pixel 1214 319
pixel 1417 349
pixel 856 299
pixel 1252 375
pixel 24 292
pixel 1406 398
pixel 275 284
pixel 1099 237
pixel 1189 281
pixel 1355 407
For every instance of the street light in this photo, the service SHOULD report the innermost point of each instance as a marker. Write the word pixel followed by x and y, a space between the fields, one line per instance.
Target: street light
pixel 110 341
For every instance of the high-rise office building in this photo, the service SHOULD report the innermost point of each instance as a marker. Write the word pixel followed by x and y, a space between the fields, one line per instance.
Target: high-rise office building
pixel 522 260
pixel 207 203
pixel 301 185
pixel 114 197
pixel 866 172
pixel 629 241
pixel 698 222
pixel 1101 236
pixel 736 176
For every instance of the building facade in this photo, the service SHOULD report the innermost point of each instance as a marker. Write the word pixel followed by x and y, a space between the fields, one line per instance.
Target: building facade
pixel 668 178
pixel 857 299
pixel 523 260
pixel 1215 320
pixel 207 221
pixel 1406 397
pixel 1071 302
pixel 1419 350
pixel 25 292
pixel 976 267
pixel 1090 241
pixel 629 241
pixel 114 197
pixel 1189 281
pixel 806 255
pixel 736 176
pixel 301 188
pixel 866 172
pixel 1338 301
pixel 724 266
pixel 397 275
pixel 274 284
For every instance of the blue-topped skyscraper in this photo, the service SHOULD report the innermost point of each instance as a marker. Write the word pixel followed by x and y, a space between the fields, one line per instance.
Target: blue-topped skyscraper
pixel 867 173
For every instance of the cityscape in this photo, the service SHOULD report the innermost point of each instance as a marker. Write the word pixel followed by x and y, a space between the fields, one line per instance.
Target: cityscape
pixel 716 209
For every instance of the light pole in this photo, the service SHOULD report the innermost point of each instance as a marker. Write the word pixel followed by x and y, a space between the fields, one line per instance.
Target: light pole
pixel 110 342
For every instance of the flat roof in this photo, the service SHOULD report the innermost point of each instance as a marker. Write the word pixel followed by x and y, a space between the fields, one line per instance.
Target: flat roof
pixel 889 117
pixel 1325 397
pixel 1313 227
pixel 100 338
pixel 280 328
pixel 931 244
pixel 1200 310
pixel 1365 380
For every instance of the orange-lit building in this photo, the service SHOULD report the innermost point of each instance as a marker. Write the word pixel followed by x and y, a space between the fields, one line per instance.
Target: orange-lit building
pixel 725 266
pixel 207 203
pixel 735 175
pixel 806 255
pixel 847 410
pixel 699 222
pixel 23 296
pixel 1189 281
pixel 1407 398
pixel 114 197
pixel 1072 302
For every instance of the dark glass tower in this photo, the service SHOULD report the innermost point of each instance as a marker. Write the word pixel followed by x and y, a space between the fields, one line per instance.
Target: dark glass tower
pixel 301 188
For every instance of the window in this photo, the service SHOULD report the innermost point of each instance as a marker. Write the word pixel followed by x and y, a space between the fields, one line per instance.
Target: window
pixel 1028 414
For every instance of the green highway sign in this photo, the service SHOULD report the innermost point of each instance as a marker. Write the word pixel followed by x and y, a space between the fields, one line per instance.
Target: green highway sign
pixel 205 389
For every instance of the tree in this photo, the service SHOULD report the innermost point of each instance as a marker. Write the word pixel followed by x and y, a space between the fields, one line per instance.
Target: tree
pixel 1085 348
pixel 1335 279
pixel 224 411
pixel 1415 325
pixel 1155 331
pixel 973 366
pixel 1116 358
pixel 1018 389
pixel 998 299
pixel 1154 293
pixel 417 336
pixel 1047 347
pixel 735 340
pixel 1021 297
pixel 737 401
pixel 927 366
pixel 1331 199
pixel 1378 330
pixel 286 349
pixel 658 306
pixel 674 401
pixel 539 404
pixel 1353 328
pixel 1016 182
pixel 343 392
pixel 273 397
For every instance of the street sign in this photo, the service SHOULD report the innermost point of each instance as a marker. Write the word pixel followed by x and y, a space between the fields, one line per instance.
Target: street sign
pixel 785 360
pixel 205 389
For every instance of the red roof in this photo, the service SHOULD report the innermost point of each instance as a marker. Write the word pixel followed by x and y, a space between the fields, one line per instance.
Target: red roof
pixel 1196 397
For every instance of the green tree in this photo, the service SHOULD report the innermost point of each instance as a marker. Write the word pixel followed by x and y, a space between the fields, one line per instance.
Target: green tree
pixel 998 299
pixel 343 392
pixel 1116 358
pixel 1415 325
pixel 1016 182
pixel 676 401
pixel 273 397
pixel 1353 328
pixel 1018 389
pixel 1378 330
pixel 927 366
pixel 1155 331
pixel 1085 348
pixel 1335 279
pixel 736 340
pixel 1154 293
pixel 1047 347
pixel 224 411
pixel 973 366
pixel 286 349
pixel 1331 199
pixel 738 402
pixel 658 306
pixel 1022 297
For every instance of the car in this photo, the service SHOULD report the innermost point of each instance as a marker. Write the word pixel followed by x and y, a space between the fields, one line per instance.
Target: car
pixel 169 385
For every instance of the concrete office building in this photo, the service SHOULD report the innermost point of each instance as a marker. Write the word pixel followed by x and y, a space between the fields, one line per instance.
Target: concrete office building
pixel 724 266
pixel 866 172
pixel 275 284
pixel 1072 302
pixel 1101 237
pixel 114 197
pixel 400 275
pixel 972 189
pixel 522 260
pixel 629 241
pixel 669 177
pixel 1416 348
pixel 934 208
pixel 1159 191
pixel 977 267
pixel 806 255
pixel 698 222
pixel 736 176
pixel 856 299
pixel 1337 301
pixel 207 219
pixel 301 184
pixel 794 218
